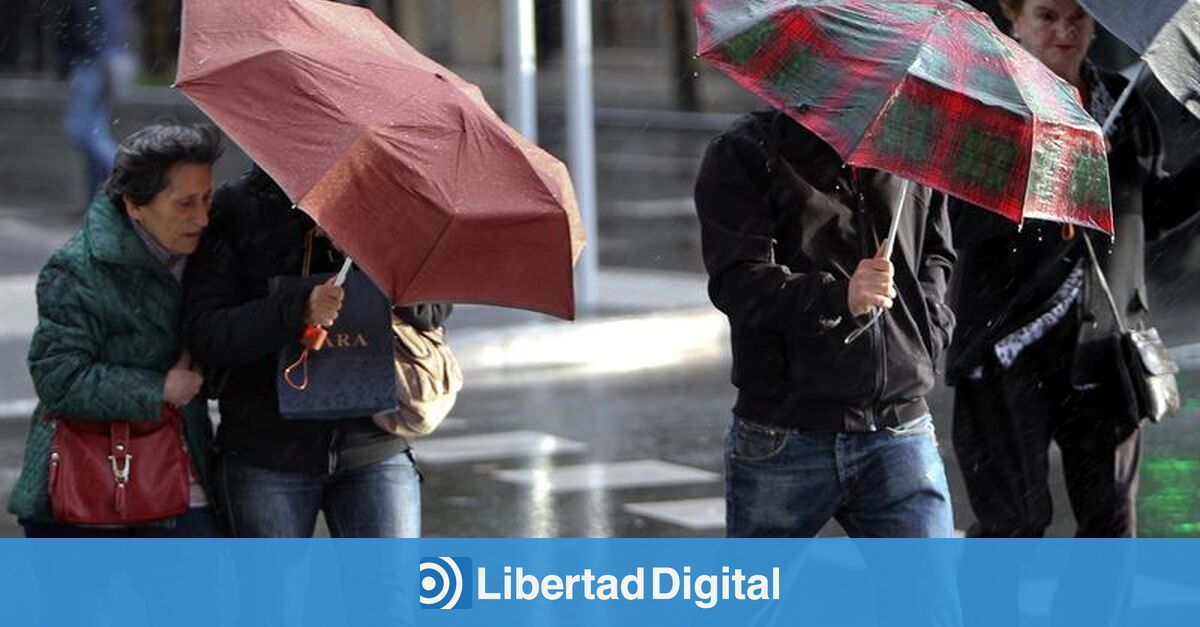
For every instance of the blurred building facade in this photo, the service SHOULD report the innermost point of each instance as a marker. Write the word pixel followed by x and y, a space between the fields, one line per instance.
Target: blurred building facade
pixel 455 32
pixel 643 49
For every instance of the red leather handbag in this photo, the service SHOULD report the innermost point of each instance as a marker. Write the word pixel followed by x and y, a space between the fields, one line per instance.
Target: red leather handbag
pixel 119 473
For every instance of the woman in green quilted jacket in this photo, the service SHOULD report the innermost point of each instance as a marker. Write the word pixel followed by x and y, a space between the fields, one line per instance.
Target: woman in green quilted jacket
pixel 107 345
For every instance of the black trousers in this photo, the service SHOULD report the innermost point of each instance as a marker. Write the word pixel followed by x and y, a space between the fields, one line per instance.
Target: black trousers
pixel 1003 426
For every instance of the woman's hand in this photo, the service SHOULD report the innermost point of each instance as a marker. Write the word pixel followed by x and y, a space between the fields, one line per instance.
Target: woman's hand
pixel 324 303
pixel 183 382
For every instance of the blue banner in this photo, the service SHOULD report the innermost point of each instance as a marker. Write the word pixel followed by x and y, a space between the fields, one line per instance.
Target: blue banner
pixel 694 582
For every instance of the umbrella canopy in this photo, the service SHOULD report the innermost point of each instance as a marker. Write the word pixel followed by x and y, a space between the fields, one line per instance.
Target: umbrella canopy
pixel 1166 33
pixel 929 90
pixel 397 158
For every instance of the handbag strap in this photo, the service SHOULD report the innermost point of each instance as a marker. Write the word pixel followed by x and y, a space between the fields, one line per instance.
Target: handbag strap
pixel 1112 302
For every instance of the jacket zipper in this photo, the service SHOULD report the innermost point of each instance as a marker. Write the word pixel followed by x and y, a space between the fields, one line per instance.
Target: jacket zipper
pixel 878 340
pixel 877 335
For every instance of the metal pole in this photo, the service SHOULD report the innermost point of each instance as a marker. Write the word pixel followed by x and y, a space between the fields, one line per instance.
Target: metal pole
pixel 520 68
pixel 581 139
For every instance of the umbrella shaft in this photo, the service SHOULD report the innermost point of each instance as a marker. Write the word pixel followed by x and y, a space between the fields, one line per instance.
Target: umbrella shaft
pixel 1116 110
pixel 890 243
pixel 341 275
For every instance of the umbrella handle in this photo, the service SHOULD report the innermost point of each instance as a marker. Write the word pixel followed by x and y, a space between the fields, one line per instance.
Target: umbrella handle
pixel 314 335
pixel 889 245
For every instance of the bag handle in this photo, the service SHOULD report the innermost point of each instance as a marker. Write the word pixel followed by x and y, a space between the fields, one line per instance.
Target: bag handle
pixel 1112 302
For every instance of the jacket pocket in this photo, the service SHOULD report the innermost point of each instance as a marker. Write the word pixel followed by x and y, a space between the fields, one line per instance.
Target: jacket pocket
pixel 753 442
pixel 826 368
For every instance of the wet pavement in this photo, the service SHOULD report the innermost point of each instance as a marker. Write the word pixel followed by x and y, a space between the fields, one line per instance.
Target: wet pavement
pixel 639 455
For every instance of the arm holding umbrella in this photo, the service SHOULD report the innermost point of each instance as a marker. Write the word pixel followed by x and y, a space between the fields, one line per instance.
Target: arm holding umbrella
pixel 225 324
pixel 872 280
pixel 323 305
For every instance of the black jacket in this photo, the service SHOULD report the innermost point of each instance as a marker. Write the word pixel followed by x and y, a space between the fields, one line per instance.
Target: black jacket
pixel 86 28
pixel 236 328
pixel 784 224
pixel 1006 276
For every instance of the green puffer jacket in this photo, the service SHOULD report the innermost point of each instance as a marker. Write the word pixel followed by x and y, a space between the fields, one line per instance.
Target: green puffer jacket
pixel 108 331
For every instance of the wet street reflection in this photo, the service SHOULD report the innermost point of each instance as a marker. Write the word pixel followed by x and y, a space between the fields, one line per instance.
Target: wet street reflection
pixel 640 455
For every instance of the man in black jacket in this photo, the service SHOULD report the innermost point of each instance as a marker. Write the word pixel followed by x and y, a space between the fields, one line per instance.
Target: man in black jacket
pixel 824 427
pixel 275 475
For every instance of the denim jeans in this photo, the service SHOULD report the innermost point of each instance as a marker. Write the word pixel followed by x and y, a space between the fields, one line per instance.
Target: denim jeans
pixel 789 483
pixel 380 500
pixel 87 119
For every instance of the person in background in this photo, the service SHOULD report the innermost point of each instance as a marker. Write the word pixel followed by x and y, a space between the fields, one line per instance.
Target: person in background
pixel 1034 357
pixel 93 38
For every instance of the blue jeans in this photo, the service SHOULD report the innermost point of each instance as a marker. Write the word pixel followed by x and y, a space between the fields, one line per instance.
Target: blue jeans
pixel 380 500
pixel 87 120
pixel 789 483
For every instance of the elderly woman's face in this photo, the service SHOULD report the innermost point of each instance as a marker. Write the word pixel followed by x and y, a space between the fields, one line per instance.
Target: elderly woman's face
pixel 1057 32
pixel 177 215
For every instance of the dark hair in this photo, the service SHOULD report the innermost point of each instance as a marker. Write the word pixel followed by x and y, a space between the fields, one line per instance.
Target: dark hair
pixel 140 167
pixel 259 183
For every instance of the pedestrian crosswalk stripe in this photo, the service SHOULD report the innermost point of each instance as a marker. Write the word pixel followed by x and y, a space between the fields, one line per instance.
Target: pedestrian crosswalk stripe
pixel 492 446
pixel 18 306
pixel 17 409
pixel 691 513
pixel 453 424
pixel 600 476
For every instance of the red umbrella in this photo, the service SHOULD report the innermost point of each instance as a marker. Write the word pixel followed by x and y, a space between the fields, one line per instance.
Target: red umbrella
pixel 926 89
pixel 397 158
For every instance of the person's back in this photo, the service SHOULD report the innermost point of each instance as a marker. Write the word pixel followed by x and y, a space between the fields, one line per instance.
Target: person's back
pixel 789 235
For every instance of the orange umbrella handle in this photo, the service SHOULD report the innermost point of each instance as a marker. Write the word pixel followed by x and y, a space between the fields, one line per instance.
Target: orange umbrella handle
pixel 313 337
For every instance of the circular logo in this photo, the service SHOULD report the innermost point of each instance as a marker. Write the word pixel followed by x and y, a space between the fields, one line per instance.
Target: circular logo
pixel 441 582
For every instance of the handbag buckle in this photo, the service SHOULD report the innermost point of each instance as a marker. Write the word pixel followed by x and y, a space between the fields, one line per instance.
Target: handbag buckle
pixel 120 469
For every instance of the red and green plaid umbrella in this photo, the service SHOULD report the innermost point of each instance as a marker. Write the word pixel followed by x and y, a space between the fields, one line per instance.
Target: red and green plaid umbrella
pixel 926 89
